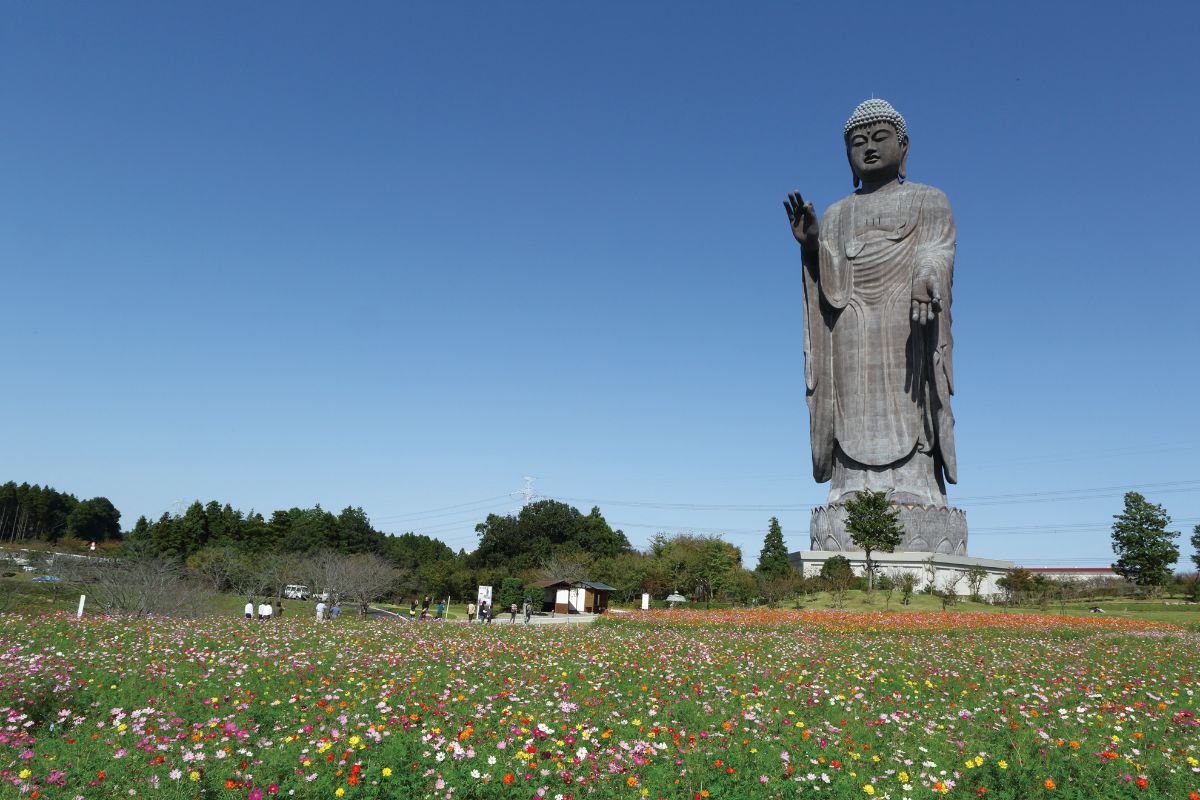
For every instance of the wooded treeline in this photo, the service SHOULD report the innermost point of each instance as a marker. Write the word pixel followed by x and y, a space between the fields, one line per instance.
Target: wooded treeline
pixel 227 547
pixel 47 515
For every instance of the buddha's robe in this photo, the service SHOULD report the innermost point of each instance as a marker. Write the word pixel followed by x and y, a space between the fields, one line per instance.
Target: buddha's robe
pixel 879 384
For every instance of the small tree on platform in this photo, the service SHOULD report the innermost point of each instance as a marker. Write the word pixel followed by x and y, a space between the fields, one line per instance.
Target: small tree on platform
pixel 874 525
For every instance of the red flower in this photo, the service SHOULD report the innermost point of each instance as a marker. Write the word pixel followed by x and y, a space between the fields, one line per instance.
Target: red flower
pixel 1142 783
pixel 508 778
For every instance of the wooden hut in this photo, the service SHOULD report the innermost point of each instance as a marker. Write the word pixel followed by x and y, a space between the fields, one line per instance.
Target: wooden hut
pixel 562 596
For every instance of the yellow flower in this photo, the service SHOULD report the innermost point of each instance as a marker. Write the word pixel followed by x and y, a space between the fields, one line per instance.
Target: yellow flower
pixel 24 773
pixel 903 776
pixel 340 791
pixel 1002 764
pixel 979 761
pixel 387 772
pixel 869 789
pixel 193 776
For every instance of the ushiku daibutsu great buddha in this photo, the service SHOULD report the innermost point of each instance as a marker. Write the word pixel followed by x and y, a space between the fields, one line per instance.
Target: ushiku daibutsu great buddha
pixel 878 271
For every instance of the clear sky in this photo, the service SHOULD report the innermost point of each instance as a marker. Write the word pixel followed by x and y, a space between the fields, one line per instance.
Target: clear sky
pixel 398 256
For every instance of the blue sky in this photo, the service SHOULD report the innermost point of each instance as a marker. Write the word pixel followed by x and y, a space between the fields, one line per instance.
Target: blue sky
pixel 401 255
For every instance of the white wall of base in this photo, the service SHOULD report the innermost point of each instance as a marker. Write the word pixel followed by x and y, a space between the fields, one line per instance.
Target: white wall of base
pixel 943 568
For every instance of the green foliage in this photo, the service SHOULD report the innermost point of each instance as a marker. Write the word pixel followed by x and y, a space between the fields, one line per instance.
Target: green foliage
pixel 1143 545
pixel 836 567
pixel 513 590
pixel 1196 545
pixel 542 530
pixel 873 524
pixel 773 560
pixel 1016 583
pixel 46 514
pixel 94 520
pixel 976 575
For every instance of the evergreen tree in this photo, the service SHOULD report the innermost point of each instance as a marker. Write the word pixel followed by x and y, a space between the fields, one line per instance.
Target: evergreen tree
pixel 1196 545
pixel 1144 547
pixel 94 520
pixel 773 560
pixel 874 526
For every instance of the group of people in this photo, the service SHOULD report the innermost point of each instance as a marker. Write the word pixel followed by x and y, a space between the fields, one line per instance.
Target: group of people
pixel 265 609
pixel 412 609
pixel 329 613
pixel 486 613
pixel 268 610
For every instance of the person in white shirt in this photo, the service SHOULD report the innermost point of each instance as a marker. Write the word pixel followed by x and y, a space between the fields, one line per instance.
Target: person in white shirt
pixel 249 609
pixel 264 610
pixel 320 610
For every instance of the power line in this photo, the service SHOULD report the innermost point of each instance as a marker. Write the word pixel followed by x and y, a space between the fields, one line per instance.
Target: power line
pixel 431 512
pixel 1056 495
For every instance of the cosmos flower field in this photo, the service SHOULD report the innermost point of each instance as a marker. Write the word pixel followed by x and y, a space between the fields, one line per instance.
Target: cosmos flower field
pixel 660 705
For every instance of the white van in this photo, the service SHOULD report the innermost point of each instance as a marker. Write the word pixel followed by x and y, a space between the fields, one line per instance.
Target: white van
pixel 294 591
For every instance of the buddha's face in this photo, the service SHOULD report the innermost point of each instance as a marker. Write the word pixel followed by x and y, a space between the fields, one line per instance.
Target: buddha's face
pixel 875 152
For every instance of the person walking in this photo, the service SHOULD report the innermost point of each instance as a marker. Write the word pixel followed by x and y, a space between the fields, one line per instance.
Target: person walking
pixel 320 611
pixel 470 612
pixel 485 613
pixel 441 609
pixel 249 608
pixel 425 608
pixel 512 614
pixel 528 610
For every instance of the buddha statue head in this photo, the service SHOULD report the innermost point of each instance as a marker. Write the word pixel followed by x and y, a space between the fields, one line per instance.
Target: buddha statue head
pixel 876 144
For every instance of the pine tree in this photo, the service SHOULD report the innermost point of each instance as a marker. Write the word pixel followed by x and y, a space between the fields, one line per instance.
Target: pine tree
pixel 773 560
pixel 1144 547
pixel 874 526
pixel 1196 545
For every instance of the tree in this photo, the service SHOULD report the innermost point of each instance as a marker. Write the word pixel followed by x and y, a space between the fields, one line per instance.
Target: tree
pixel 873 524
pixel 976 575
pixel 907 582
pixel 367 578
pixel 1015 583
pixel 837 576
pixel 1196 545
pixel 1144 547
pixel 94 520
pixel 541 530
pixel 773 561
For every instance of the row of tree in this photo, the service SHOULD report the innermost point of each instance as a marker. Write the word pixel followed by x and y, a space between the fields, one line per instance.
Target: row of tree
pixel 231 550
pixel 44 514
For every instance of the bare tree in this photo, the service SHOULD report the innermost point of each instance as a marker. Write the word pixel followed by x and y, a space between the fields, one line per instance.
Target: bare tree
pixel 367 577
pixel 976 575
pixel 948 594
pixel 573 567
pixel 139 586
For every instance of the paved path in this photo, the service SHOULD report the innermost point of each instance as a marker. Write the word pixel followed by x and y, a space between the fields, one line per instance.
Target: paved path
pixel 502 620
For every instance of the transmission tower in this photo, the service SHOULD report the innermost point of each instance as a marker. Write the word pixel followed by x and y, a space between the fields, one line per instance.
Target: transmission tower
pixel 527 493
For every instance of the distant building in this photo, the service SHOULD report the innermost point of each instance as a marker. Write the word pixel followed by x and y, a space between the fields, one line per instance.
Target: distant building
pixel 570 597
pixel 1075 573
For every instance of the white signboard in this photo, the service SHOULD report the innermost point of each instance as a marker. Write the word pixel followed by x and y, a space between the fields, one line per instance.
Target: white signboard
pixel 645 601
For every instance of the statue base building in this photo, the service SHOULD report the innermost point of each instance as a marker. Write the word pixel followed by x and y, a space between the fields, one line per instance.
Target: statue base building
pixel 927 529
pixel 937 570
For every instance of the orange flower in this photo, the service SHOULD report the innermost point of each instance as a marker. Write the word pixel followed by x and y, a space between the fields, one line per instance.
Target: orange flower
pixel 508 778
pixel 631 780
pixel 1049 783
